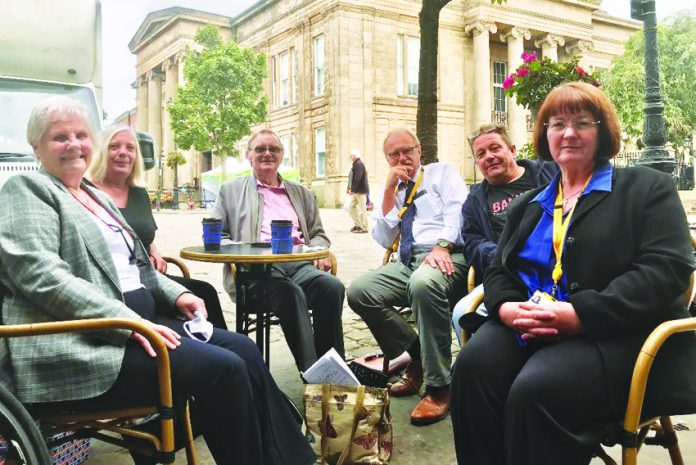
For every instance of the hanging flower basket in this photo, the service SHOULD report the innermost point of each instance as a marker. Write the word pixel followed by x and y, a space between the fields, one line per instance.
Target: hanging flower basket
pixel 534 79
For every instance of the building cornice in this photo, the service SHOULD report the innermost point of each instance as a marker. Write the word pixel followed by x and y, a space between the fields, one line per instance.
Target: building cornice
pixel 158 21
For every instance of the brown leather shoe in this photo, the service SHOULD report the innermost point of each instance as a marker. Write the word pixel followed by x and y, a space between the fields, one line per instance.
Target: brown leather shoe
pixel 432 408
pixel 410 383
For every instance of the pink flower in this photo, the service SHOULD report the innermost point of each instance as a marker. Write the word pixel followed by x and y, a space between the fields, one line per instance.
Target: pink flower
pixel 522 72
pixel 529 57
pixel 580 71
pixel 509 81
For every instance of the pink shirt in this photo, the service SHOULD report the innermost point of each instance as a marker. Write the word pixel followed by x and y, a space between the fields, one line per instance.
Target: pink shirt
pixel 277 206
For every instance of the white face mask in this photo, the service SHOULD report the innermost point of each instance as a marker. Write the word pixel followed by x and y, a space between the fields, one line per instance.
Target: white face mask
pixel 199 328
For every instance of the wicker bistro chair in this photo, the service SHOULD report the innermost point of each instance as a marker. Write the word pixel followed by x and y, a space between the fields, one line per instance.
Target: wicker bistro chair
pixel 634 430
pixel 86 420
pixel 179 264
pixel 259 322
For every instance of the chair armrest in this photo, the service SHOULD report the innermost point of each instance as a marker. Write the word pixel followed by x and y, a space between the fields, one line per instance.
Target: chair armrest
pixel 100 324
pixel 387 256
pixel 470 279
pixel 475 302
pixel 643 364
pixel 334 263
pixel 181 265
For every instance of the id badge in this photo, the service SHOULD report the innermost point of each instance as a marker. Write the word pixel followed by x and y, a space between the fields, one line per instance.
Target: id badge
pixel 541 298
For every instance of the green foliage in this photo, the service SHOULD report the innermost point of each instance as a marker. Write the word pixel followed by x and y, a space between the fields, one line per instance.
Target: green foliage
pixel 624 81
pixel 223 96
pixel 533 80
pixel 527 151
pixel 175 159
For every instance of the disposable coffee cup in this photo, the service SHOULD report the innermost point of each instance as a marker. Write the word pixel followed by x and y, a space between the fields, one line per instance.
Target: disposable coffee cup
pixel 212 233
pixel 281 236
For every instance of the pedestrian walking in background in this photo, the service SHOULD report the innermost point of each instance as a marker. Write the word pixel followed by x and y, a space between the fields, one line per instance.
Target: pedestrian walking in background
pixel 358 188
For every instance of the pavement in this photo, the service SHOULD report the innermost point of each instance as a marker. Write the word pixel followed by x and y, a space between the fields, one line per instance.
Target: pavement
pixel 356 254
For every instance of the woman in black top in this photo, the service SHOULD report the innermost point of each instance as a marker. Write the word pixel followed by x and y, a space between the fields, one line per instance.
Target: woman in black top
pixel 117 170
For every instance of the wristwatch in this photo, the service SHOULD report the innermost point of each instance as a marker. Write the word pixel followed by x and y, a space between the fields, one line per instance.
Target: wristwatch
pixel 444 244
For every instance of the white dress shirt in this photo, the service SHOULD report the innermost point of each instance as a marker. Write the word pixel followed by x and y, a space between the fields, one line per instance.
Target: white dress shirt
pixel 438 202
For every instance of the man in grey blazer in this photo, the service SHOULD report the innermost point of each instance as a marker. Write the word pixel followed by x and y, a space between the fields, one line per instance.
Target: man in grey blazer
pixel 247 206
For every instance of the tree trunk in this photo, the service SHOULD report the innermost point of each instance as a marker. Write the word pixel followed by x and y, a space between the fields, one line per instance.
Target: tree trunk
pixel 426 119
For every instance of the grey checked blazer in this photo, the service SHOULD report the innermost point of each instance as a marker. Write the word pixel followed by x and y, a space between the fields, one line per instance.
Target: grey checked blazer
pixel 54 266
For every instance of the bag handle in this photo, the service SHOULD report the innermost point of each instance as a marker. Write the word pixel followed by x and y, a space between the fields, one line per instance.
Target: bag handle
pixel 325 393
pixel 359 400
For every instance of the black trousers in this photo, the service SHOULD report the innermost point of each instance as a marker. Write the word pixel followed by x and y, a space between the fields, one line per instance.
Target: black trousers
pixel 543 404
pixel 294 288
pixel 242 413
pixel 207 292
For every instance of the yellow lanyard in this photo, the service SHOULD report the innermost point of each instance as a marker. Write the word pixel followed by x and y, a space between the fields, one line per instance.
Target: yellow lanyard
pixel 407 203
pixel 560 228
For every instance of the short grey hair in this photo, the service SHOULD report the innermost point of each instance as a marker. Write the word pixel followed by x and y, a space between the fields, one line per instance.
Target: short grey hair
pixel 52 109
pixel 265 131
pixel 100 159
pixel 398 131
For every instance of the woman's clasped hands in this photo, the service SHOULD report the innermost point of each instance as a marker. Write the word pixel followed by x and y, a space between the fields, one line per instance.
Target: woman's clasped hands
pixel 548 322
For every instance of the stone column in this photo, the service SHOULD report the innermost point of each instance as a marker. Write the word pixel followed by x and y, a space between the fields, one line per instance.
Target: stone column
pixel 482 69
pixel 580 48
pixel 141 120
pixel 549 45
pixel 171 82
pixel 154 115
pixel 517 124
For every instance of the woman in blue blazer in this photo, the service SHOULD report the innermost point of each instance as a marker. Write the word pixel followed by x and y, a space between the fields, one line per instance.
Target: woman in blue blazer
pixel 585 269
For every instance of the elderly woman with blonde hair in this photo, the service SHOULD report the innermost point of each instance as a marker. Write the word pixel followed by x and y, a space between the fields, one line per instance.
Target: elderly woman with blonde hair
pixel 117 170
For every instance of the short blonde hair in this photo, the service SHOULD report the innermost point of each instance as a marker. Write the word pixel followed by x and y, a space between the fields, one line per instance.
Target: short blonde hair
pixel 100 160
pixel 52 109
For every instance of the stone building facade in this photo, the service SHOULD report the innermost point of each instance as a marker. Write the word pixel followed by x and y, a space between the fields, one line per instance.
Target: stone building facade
pixel 342 73
pixel 159 45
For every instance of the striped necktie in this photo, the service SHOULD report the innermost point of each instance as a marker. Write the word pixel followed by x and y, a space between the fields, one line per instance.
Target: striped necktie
pixel 406 245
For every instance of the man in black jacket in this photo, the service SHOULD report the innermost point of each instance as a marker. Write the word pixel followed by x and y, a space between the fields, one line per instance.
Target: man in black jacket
pixel 485 210
pixel 358 189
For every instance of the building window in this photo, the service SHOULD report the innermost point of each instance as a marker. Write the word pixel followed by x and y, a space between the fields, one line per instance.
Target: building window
pixel 407 59
pixel 284 66
pixel 499 75
pixel 274 97
pixel 320 152
pixel 319 68
pixel 287 150
pixel 293 66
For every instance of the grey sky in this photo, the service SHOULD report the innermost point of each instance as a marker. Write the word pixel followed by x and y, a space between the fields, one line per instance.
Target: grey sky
pixel 121 18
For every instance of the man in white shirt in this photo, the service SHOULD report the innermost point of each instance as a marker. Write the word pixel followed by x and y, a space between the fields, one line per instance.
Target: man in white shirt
pixel 421 212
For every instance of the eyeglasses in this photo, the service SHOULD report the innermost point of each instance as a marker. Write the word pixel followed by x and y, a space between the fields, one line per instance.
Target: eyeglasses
pixel 261 149
pixel 407 152
pixel 582 124
pixel 484 129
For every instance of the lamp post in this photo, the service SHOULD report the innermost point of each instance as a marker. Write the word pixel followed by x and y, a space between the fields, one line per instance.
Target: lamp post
pixel 654 154
pixel 159 183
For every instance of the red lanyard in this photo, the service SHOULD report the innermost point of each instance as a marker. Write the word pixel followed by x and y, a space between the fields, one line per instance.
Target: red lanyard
pixel 116 229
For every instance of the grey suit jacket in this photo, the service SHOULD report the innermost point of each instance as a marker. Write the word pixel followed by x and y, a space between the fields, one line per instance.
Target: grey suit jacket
pixel 54 266
pixel 240 207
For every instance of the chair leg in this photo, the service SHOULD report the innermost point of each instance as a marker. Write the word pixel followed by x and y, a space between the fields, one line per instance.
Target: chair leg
pixel 671 442
pixel 601 454
pixel 191 457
